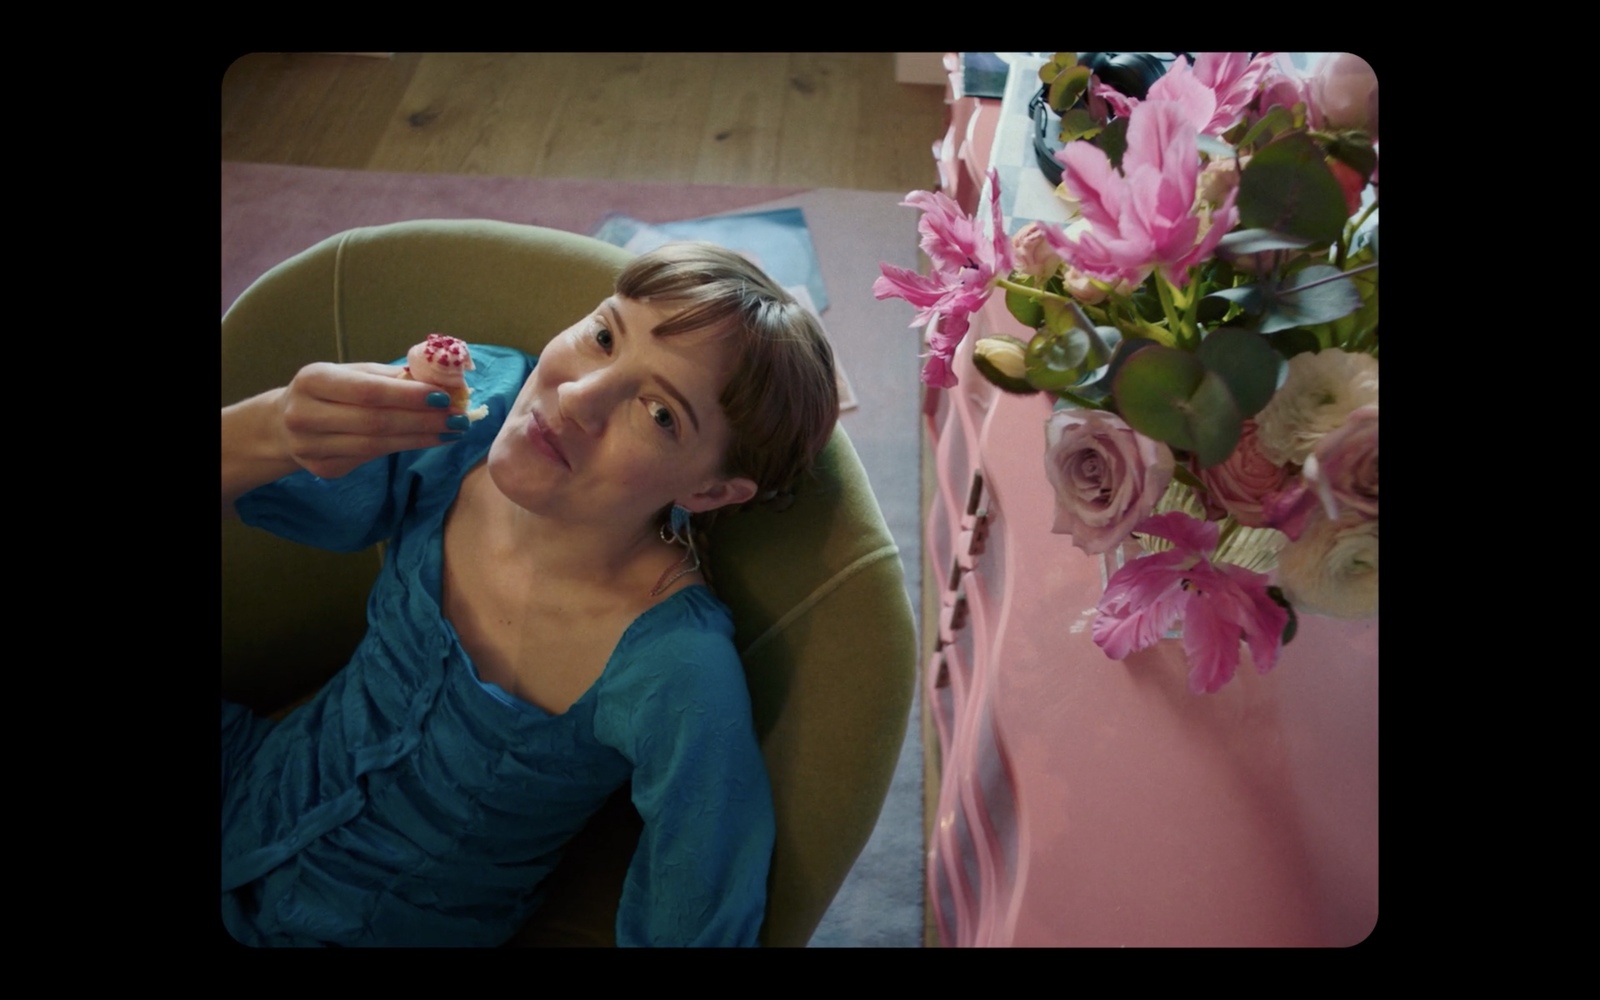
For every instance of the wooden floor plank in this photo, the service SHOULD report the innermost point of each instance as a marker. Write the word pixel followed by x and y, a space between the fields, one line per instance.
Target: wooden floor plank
pixel 739 144
pixel 514 134
pixel 441 116
pixel 589 136
pixel 801 119
pixel 816 146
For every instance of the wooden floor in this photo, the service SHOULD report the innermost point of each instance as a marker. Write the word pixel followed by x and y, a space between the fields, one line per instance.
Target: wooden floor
pixel 789 119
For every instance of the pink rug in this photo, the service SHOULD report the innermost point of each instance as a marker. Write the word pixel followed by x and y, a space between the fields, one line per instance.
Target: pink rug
pixel 270 213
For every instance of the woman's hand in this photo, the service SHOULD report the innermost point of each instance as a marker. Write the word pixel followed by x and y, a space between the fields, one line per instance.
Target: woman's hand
pixel 329 420
pixel 337 417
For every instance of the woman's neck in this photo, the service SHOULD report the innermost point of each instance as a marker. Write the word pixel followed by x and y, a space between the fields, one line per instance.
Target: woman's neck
pixel 584 556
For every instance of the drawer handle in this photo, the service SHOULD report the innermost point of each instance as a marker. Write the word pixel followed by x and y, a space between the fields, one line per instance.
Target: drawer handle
pixel 953 618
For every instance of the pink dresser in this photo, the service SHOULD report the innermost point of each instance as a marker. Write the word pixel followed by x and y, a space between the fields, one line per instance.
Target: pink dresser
pixel 1089 802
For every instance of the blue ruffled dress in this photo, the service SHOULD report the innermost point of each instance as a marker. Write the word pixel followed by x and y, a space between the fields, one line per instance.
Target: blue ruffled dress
pixel 411 803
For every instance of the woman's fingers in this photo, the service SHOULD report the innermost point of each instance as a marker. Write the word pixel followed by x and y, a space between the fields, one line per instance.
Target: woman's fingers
pixel 336 417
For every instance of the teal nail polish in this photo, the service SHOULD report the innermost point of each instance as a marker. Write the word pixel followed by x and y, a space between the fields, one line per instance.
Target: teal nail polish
pixel 451 437
pixel 458 422
pixel 439 400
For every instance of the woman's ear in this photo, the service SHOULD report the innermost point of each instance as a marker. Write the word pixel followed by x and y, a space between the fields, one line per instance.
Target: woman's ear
pixel 722 493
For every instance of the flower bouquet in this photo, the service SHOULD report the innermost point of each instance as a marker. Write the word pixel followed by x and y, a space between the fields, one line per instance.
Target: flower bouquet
pixel 1208 322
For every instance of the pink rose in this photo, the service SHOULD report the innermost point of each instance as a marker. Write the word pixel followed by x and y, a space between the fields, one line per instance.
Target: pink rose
pixel 1344 467
pixel 1090 291
pixel 1031 253
pixel 1343 91
pixel 1282 87
pixel 1083 288
pixel 1245 480
pixel 1106 475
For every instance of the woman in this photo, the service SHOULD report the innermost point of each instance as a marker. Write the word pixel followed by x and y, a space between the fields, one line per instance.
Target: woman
pixel 541 632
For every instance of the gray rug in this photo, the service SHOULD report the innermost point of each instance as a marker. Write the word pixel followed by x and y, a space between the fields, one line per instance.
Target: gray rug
pixel 271 212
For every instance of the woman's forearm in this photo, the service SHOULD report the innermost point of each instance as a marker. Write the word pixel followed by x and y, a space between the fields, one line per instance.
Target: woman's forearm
pixel 253 453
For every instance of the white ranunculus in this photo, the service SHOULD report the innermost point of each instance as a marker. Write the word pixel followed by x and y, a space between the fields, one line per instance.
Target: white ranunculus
pixel 1332 569
pixel 1321 392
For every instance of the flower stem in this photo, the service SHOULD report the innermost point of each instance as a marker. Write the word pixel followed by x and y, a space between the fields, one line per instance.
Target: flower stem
pixel 1169 307
pixel 1332 277
pixel 1230 527
pixel 1028 290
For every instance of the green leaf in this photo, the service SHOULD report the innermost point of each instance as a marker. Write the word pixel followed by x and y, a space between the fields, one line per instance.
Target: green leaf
pixel 1210 312
pixel 1292 626
pixel 1246 363
pixel 1078 123
pixel 1248 241
pixel 1147 302
pixel 1059 63
pixel 1069 85
pixel 1124 350
pixel 1110 339
pixel 1287 187
pixel 1302 301
pixel 1273 122
pixel 1059 317
pixel 1170 396
pixel 1296 341
pixel 1215 422
pixel 1246 297
pixel 1360 324
pixel 1113 141
pixel 1057 360
pixel 1025 308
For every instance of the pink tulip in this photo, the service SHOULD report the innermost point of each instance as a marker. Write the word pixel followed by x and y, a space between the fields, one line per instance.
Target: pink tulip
pixel 1145 217
pixel 965 268
pixel 1220 604
pixel 1214 92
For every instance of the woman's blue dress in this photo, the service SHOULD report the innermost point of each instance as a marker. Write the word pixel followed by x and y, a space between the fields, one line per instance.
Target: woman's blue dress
pixel 410 803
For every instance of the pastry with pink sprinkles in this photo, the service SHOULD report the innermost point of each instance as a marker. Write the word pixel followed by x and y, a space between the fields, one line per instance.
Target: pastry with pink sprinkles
pixel 444 361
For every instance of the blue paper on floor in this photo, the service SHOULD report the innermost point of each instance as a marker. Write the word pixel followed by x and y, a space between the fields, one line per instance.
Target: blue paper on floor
pixel 778 241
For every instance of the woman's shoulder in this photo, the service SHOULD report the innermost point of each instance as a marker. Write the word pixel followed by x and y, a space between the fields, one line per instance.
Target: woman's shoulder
pixel 683 644
pixel 676 676
pixel 693 616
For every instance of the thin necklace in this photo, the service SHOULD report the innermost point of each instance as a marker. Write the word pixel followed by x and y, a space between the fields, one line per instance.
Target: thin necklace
pixel 665 581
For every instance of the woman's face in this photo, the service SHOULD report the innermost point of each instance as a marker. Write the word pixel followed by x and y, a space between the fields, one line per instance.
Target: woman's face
pixel 615 423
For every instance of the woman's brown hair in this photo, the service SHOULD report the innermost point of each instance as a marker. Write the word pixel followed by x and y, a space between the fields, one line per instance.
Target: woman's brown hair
pixel 782 398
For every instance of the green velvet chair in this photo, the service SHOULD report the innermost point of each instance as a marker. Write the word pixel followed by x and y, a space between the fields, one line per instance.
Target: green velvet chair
pixel 822 618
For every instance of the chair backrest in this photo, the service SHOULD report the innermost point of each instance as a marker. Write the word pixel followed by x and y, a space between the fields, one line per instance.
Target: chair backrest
pixel 822 619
